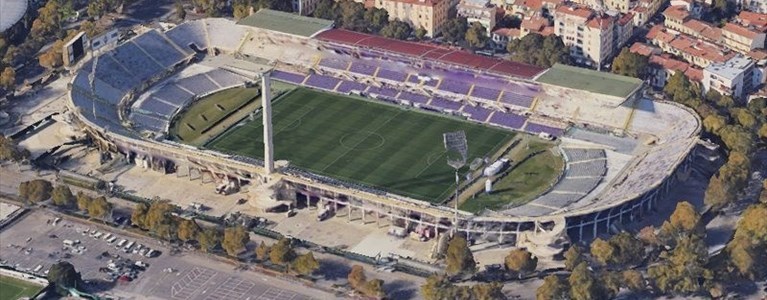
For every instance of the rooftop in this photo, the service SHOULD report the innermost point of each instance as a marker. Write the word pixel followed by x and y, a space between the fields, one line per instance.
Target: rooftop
pixel 507 32
pixel 677 12
pixel 535 24
pixel 731 68
pixel 694 74
pixel 741 31
pixel 753 19
pixel 575 10
pixel 669 63
pixel 286 23
pixel 644 49
pixel 590 80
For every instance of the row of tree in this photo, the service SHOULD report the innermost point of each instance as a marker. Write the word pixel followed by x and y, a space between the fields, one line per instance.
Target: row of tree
pixel 538 50
pixel 360 283
pixel 37 190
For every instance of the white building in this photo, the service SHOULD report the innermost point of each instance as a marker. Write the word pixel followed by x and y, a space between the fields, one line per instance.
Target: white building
pixel 736 77
pixel 478 11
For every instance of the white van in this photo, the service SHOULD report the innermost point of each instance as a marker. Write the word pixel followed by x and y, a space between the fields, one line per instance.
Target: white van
pixel 111 240
pixel 107 236
pixel 121 243
pixel 71 243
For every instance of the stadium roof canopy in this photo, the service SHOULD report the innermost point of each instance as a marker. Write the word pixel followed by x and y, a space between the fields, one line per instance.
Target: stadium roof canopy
pixel 431 53
pixel 286 22
pixel 590 80
pixel 11 12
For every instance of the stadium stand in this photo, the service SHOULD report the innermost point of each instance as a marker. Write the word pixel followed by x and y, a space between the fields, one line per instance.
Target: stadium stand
pixel 156 106
pixel 348 86
pixel 189 33
pixel 162 51
pixel 536 128
pixel 392 93
pixel 198 84
pixel 334 63
pixel 577 154
pixel 377 45
pixel 224 78
pixel 453 86
pixel 594 168
pixel 477 113
pixel 362 68
pixel 136 61
pixel 288 77
pixel 508 120
pixel 445 104
pixel 173 94
pixel 149 122
pixel 322 82
pixel 223 34
pixel 413 97
pixel 391 75
pixel 516 99
pixel 485 93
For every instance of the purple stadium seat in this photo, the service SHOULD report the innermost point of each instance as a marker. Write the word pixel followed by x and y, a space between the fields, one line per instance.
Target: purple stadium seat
pixel 458 87
pixel 477 113
pixel 445 104
pixel 510 120
pixel 287 76
pixel 516 99
pixel 363 69
pixel 538 128
pixel 413 97
pixel 323 82
pixel 485 93
pixel 391 75
pixel 348 86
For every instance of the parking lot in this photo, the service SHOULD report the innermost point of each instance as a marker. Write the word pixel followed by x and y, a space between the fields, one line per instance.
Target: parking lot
pixel 34 241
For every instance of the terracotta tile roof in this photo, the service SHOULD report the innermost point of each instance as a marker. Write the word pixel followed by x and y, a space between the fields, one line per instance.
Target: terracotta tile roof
pixel 532 4
pixel 644 49
pixel 640 9
pixel 748 18
pixel 507 32
pixel 577 11
pixel 712 33
pixel 758 54
pixel 554 2
pixel 535 24
pixel 668 63
pixel 626 19
pixel 676 12
pixel 694 74
pixel 419 2
pixel 600 22
pixel 740 30
pixel 659 33
pixel 696 25
pixel 547 31
pixel 654 31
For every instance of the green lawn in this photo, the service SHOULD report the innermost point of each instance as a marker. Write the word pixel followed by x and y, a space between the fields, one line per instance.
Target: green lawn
pixel 379 145
pixel 209 111
pixel 13 289
pixel 526 180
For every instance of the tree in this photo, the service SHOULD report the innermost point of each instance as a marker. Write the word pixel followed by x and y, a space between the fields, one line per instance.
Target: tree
pixel 159 220
pixel 62 275
pixel 719 193
pixel 633 280
pixel 34 191
pixel 352 15
pixel 553 288
pixel 9 151
pixel 62 196
pixel 521 261
pixel 488 291
pixel 420 33
pixel 737 138
pixel 611 283
pixel 628 63
pixel 683 221
pixel 573 257
pixel 537 50
pixel 138 215
pixel 377 18
pixel 188 230
pixel 454 30
pixel 374 288
pixel 647 235
pixel 89 28
pixel 99 208
pixel 209 239
pixel 628 249
pixel 438 287
pixel 747 260
pixel 356 277
pixel 476 36
pixel 678 88
pixel 181 12
pixel 753 224
pixel 460 260
pixel 583 284
pixel 763 131
pixel 714 123
pixel 744 117
pixel 262 251
pixel 282 252
pixel 602 251
pixel 83 201
pixel 8 78
pixel 305 264
pixel 397 30
pixel 235 240
pixel 325 10
pixel 682 271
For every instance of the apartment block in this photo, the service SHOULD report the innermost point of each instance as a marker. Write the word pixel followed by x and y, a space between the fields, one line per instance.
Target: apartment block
pixel 741 38
pixel 481 11
pixel 693 50
pixel 736 77
pixel 429 14
pixel 592 37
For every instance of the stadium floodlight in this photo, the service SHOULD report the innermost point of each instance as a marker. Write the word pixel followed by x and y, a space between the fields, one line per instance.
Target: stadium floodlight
pixel 457 150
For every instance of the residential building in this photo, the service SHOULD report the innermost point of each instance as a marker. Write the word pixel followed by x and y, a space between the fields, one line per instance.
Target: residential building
pixel 753 20
pixel 429 14
pixel 592 37
pixel 743 39
pixel 757 6
pixel 678 18
pixel 675 16
pixel 304 7
pixel 530 8
pixel 662 66
pixel 502 36
pixel 736 77
pixel 480 11
pixel 694 50
pixel 694 8
pixel 536 24
pixel 644 10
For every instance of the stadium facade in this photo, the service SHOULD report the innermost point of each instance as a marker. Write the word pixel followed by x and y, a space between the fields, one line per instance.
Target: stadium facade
pixel 127 96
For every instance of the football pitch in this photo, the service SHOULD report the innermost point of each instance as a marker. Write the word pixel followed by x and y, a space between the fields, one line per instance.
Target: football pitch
pixel 382 146
pixel 12 288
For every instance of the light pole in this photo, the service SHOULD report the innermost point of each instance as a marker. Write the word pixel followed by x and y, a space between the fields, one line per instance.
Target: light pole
pixel 456 149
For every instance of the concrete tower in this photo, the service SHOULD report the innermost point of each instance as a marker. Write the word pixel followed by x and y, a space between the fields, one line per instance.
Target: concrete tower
pixel 266 108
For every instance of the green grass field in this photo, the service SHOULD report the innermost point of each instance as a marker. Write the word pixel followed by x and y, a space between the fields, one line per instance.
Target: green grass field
pixel 526 180
pixel 13 289
pixel 209 111
pixel 379 145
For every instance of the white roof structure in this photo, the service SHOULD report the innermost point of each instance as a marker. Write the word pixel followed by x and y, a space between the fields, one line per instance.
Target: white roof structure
pixel 11 12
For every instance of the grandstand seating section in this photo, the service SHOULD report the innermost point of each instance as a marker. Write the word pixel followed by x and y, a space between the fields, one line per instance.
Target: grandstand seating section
pixel 191 32
pixel 348 86
pixel 223 34
pixel 162 51
pixel 536 128
pixel 509 120
pixel 136 62
pixel 198 84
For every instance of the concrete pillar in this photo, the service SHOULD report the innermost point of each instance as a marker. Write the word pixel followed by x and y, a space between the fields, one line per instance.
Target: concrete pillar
pixel 349 212
pixel 391 219
pixel 335 207
pixel 266 105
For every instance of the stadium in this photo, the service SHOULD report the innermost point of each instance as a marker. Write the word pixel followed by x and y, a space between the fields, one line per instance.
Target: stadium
pixel 355 122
